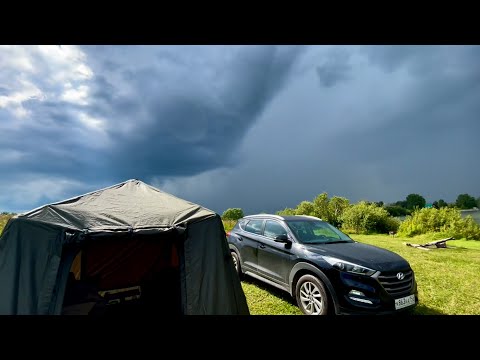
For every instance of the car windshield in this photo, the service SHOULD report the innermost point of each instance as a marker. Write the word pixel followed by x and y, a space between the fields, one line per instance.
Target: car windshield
pixel 316 232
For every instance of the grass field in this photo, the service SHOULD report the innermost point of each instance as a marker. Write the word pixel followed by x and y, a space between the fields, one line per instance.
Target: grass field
pixel 448 279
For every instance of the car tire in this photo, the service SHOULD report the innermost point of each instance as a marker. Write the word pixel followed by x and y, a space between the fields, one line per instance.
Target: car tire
pixel 236 263
pixel 311 296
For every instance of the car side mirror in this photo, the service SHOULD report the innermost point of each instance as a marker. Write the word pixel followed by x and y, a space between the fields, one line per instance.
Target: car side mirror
pixel 283 239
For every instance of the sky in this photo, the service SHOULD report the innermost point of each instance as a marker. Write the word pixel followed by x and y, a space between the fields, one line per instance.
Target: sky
pixel 257 127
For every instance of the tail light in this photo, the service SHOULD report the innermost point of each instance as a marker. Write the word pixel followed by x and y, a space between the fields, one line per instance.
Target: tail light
pixel 228 233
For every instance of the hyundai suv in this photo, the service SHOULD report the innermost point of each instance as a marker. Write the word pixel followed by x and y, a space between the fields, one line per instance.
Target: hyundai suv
pixel 323 269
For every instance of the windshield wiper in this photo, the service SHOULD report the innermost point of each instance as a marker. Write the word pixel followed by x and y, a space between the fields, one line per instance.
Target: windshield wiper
pixel 337 242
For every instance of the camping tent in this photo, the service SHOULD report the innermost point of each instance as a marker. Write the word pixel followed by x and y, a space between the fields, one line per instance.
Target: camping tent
pixel 128 237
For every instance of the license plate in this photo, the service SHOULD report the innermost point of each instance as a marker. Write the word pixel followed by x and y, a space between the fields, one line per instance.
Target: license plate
pixel 404 302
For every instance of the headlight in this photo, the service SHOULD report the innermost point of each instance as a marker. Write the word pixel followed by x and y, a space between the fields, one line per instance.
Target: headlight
pixel 343 265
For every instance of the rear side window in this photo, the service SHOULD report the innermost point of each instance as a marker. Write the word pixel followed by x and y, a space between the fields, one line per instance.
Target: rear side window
pixel 254 226
pixel 239 225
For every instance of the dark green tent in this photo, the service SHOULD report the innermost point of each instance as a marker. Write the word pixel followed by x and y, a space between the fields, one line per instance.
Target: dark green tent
pixel 117 238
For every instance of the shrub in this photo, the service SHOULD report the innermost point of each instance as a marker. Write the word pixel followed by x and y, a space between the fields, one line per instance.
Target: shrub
pixel 447 221
pixel 366 218
pixel 389 224
pixel 232 214
pixel 305 208
pixel 336 207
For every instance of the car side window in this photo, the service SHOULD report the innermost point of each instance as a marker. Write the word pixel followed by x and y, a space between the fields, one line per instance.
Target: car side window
pixel 273 229
pixel 241 224
pixel 254 226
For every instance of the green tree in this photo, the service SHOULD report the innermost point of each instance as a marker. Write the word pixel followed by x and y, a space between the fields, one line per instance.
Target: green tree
pixel 320 204
pixel 415 201
pixel 232 214
pixel 305 208
pixel 478 202
pixel 336 207
pixel 465 201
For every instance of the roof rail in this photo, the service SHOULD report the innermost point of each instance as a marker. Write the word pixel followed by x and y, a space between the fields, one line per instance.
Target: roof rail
pixel 265 215
pixel 311 217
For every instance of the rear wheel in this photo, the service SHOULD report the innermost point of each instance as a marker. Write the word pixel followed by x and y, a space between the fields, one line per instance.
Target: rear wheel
pixel 236 263
pixel 311 296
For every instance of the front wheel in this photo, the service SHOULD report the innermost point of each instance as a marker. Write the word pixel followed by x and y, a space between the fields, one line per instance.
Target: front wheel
pixel 311 296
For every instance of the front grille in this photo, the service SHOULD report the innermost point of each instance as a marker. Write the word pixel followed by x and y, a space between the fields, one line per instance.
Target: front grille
pixel 393 285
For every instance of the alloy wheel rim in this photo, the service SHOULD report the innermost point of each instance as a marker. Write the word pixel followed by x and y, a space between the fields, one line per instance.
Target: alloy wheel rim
pixel 311 298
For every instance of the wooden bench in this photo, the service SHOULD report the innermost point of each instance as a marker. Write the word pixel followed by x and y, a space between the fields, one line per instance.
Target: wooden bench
pixel 432 245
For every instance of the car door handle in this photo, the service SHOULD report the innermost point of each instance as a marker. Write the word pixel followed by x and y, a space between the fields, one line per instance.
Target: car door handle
pixel 261 246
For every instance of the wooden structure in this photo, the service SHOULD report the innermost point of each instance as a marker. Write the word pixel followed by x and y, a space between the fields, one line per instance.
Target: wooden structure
pixel 432 245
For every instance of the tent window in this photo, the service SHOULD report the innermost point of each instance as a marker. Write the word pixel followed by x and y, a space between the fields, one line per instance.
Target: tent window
pixel 135 274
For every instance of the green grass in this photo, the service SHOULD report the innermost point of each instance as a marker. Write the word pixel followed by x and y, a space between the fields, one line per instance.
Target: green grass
pixel 448 279
pixel 3 221
pixel 265 300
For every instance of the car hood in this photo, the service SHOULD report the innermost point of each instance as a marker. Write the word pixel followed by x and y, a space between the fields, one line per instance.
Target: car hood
pixel 362 254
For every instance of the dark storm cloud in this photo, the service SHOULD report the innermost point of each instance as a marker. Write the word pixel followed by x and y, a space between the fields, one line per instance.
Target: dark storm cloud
pixel 391 57
pixel 335 68
pixel 257 127
pixel 104 114
pixel 401 120
pixel 192 118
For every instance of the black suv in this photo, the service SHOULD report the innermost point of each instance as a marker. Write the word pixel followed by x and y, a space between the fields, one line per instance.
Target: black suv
pixel 323 269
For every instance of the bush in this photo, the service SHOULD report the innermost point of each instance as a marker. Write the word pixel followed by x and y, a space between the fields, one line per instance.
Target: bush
pixel 329 210
pixel 447 221
pixel 389 223
pixel 368 218
pixel 336 207
pixel 396 210
pixel 232 214
pixel 305 208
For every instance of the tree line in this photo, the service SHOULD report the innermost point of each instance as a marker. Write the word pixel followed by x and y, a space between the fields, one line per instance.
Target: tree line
pixel 414 201
pixel 368 217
